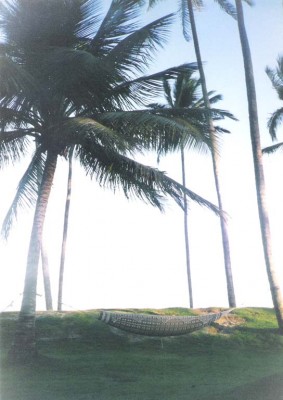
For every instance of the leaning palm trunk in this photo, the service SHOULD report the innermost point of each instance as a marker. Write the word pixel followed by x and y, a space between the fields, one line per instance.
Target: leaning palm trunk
pixel 24 345
pixel 258 169
pixel 215 160
pixel 46 278
pixel 45 271
pixel 65 233
pixel 187 248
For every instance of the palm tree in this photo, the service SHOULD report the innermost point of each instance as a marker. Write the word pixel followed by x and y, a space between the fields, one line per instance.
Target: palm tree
pixel 258 168
pixel 189 26
pixel 215 160
pixel 58 59
pixel 184 92
pixel 276 77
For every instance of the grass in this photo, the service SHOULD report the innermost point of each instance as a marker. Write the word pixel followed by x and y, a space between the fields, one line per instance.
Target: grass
pixel 83 359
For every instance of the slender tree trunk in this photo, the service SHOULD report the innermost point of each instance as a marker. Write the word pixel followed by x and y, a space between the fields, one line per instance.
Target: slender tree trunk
pixel 23 349
pixel 65 233
pixel 46 278
pixel 45 269
pixel 187 248
pixel 258 169
pixel 215 160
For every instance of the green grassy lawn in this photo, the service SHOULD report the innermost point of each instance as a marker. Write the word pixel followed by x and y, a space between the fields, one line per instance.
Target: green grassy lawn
pixel 80 358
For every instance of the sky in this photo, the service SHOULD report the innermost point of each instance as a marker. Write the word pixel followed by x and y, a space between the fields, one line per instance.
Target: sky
pixel 124 253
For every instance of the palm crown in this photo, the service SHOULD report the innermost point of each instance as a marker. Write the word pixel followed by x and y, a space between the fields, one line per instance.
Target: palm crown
pixel 72 79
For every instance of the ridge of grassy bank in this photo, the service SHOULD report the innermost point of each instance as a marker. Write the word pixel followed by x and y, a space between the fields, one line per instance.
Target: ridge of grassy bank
pixel 239 357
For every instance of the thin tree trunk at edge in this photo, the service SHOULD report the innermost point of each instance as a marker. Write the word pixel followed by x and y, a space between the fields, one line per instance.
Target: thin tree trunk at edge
pixel 23 349
pixel 65 233
pixel 46 278
pixel 258 169
pixel 187 248
pixel 215 160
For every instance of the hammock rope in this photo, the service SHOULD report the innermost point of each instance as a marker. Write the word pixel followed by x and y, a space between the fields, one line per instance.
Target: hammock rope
pixel 159 325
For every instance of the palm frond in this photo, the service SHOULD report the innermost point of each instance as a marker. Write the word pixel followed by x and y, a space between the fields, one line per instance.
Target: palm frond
pixel 276 77
pixel 185 16
pixel 186 90
pixel 14 78
pixel 10 135
pixel 249 2
pixel 160 130
pixel 227 7
pixel 197 113
pixel 135 52
pixel 13 146
pixel 220 129
pixel 27 191
pixel 139 92
pixel 34 23
pixel 152 3
pixel 13 116
pixel 146 183
pixel 91 16
pixel 167 92
pixel 214 98
pixel 274 121
pixel 89 131
pixel 156 106
pixel 273 148
pixel 119 22
pixel 218 113
pixel 186 22
pixel 77 75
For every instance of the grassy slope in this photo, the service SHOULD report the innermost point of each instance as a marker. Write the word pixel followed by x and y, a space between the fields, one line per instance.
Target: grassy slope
pixel 83 359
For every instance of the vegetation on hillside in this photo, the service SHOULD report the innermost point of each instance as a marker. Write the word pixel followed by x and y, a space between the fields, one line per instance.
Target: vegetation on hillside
pixel 240 357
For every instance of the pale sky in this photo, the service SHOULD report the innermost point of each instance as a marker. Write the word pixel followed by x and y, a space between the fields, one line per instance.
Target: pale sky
pixel 125 253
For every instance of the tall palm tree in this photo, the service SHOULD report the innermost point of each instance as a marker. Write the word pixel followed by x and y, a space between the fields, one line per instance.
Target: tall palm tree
pixel 189 27
pixel 184 92
pixel 216 162
pixel 258 168
pixel 59 59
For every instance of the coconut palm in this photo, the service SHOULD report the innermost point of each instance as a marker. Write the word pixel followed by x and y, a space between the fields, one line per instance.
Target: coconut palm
pixel 184 92
pixel 215 161
pixel 72 81
pixel 189 28
pixel 258 167
pixel 276 77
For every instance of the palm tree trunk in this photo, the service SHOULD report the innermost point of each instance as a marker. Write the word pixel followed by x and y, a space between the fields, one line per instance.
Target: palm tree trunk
pixel 187 248
pixel 65 233
pixel 46 278
pixel 23 349
pixel 45 271
pixel 215 160
pixel 258 169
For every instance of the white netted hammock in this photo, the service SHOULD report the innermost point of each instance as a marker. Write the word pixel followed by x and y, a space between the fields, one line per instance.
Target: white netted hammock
pixel 159 325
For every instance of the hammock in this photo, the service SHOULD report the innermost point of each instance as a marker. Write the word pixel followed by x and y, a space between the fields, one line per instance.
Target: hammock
pixel 159 325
